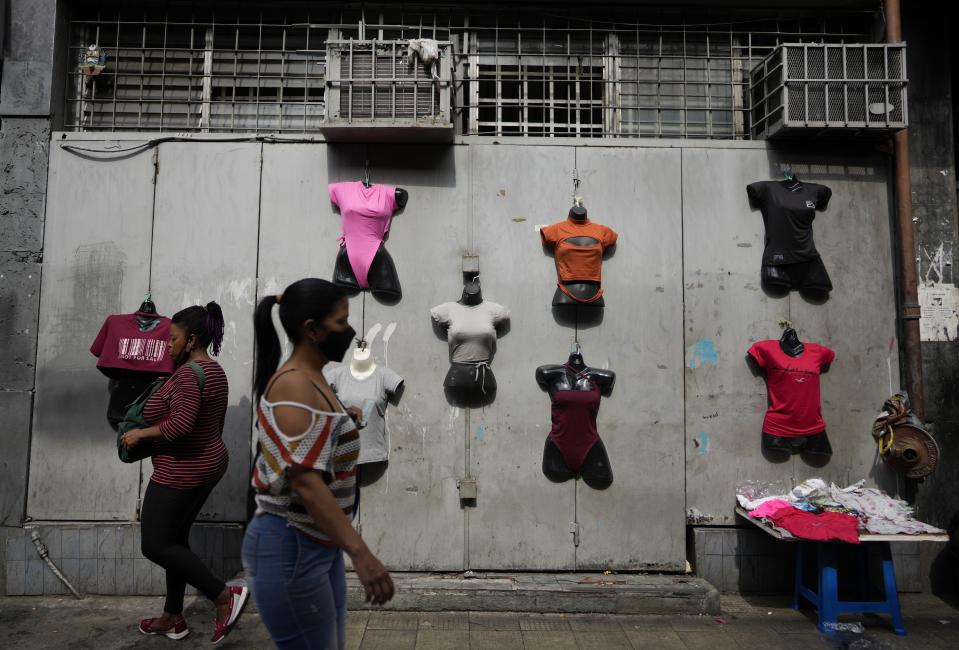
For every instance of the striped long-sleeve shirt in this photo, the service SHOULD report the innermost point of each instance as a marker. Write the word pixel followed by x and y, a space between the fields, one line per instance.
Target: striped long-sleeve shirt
pixel 191 452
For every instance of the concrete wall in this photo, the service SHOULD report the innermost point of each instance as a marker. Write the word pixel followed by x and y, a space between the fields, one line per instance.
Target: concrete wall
pixel 726 311
pixel 26 99
pixel 932 157
pixel 682 427
pixel 703 265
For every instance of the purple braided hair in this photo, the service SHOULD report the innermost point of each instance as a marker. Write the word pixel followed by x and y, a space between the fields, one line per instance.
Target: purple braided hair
pixel 215 327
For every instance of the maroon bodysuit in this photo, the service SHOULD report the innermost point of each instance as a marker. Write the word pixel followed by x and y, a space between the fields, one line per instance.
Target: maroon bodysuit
pixel 574 423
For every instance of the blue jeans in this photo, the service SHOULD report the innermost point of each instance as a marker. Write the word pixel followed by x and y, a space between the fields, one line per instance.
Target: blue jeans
pixel 299 585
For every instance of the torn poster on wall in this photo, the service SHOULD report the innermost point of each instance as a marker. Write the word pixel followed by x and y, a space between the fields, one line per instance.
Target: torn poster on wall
pixel 940 312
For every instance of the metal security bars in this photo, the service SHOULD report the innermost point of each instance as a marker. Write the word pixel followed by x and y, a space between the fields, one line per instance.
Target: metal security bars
pixel 380 90
pixel 517 70
pixel 803 88
pixel 183 73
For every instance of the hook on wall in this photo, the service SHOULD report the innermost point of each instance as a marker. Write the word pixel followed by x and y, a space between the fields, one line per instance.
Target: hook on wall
pixel 366 165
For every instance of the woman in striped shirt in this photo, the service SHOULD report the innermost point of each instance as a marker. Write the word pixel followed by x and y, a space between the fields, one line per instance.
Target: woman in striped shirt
pixel 187 415
pixel 305 475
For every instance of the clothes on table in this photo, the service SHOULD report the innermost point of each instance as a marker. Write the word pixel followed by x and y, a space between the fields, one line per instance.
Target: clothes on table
pixel 874 511
pixel 881 514
pixel 749 505
pixel 768 507
pixel 823 526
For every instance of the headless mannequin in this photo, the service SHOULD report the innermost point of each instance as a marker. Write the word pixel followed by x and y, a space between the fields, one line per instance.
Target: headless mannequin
pixel 778 451
pixel 582 289
pixel 789 342
pixel 147 316
pixel 472 293
pixel 575 375
pixel 790 182
pixel 125 386
pixel 383 280
pixel 362 364
pixel 466 384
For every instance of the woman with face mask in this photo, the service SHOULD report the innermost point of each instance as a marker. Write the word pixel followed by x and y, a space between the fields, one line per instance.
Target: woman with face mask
pixel 305 475
pixel 187 416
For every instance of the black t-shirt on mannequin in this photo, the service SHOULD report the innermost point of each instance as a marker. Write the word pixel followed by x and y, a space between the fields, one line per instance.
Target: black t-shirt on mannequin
pixel 789 208
pixel 790 259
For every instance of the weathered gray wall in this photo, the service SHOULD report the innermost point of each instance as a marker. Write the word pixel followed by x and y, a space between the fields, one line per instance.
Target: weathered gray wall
pixel 26 99
pixel 229 218
pixel 727 311
pixel 934 186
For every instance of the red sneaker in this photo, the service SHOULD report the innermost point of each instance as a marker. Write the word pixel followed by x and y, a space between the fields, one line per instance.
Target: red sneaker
pixel 238 598
pixel 177 630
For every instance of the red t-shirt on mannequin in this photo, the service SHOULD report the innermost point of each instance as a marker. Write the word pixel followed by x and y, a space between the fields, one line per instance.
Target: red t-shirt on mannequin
pixel 795 407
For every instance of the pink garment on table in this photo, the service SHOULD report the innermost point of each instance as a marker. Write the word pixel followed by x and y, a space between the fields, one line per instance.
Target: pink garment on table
pixel 768 507
pixel 822 527
pixel 367 213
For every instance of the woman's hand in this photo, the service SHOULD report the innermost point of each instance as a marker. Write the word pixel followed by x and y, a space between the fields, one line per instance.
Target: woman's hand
pixel 374 577
pixel 131 438
pixel 357 414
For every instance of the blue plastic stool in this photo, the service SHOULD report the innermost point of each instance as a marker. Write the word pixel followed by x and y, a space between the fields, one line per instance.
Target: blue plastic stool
pixel 826 596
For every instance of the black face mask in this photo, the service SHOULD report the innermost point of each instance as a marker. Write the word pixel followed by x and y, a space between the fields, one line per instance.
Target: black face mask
pixel 335 345
pixel 181 358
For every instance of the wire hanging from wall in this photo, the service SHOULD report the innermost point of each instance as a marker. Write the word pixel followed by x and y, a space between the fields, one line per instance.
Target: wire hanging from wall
pixel 363 318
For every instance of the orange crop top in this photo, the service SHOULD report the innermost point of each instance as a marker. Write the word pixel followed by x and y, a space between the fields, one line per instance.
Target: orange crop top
pixel 578 263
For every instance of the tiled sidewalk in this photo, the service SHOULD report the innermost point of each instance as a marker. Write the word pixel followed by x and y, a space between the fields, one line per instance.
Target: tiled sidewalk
pixel 110 622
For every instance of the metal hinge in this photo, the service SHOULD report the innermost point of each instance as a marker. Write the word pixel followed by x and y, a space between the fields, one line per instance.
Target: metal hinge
pixel 574 529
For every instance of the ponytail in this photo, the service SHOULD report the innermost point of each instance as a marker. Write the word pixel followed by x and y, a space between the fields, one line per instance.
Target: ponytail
pixel 267 345
pixel 215 326
pixel 205 323
pixel 306 299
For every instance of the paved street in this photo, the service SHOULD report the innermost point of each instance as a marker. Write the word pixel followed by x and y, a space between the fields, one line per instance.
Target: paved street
pixel 110 622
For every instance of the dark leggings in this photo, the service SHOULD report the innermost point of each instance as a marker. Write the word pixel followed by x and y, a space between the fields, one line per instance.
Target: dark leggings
pixel 165 521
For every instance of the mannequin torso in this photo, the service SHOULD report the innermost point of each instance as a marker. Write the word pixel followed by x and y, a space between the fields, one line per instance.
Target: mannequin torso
pixel 575 375
pixel 362 365
pixel 578 247
pixel 573 447
pixel 363 261
pixel 790 344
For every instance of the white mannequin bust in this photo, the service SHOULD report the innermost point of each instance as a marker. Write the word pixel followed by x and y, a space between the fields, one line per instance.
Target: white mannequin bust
pixel 362 364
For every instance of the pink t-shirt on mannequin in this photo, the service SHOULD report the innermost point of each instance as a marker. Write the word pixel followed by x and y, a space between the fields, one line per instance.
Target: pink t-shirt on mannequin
pixel 367 213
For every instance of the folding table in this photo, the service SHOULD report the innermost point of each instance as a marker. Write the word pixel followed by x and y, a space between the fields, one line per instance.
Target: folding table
pixel 825 558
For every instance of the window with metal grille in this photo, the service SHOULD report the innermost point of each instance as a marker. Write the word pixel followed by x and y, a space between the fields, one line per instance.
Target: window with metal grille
pixel 170 71
pixel 538 70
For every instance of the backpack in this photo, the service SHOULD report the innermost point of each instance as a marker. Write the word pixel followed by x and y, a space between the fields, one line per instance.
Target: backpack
pixel 134 419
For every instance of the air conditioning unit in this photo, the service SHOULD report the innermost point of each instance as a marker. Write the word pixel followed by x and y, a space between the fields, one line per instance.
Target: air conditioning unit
pixel 376 92
pixel 825 89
